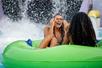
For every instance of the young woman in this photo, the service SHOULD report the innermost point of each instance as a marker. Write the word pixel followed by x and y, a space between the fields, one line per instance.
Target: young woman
pixel 81 30
pixel 56 33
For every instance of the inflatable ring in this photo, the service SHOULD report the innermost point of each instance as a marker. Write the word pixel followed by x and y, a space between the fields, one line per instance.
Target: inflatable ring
pixel 20 55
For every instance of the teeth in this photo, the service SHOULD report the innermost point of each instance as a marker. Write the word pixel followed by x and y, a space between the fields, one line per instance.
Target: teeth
pixel 58 25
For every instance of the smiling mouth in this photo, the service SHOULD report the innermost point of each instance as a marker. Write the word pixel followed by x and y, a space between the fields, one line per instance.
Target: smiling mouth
pixel 58 25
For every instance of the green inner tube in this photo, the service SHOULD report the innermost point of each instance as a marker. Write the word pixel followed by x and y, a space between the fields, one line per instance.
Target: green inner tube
pixel 20 55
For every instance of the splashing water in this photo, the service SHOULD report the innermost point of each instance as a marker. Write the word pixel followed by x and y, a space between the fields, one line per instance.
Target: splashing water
pixel 22 12
pixel 59 7
pixel 25 9
pixel 19 31
pixel 40 11
pixel 22 30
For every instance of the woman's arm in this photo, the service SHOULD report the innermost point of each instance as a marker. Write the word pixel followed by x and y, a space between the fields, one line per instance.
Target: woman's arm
pixel 52 27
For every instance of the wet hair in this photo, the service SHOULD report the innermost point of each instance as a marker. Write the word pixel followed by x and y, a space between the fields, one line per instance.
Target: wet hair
pixel 57 14
pixel 81 30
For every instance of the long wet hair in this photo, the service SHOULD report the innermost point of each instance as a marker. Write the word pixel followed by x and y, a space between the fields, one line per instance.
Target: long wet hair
pixel 81 30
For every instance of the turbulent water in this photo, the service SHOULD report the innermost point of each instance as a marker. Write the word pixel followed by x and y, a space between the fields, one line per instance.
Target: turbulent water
pixel 12 31
pixel 40 11
pixel 23 19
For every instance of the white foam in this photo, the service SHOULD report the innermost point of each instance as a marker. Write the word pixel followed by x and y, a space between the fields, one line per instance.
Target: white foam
pixel 22 30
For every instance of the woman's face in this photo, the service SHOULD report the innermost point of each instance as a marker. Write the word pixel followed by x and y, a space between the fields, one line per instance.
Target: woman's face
pixel 58 21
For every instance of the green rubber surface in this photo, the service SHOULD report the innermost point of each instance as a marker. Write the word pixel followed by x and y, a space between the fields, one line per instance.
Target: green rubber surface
pixel 20 55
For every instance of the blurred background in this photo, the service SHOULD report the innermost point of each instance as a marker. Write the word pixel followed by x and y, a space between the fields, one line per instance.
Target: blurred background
pixel 24 19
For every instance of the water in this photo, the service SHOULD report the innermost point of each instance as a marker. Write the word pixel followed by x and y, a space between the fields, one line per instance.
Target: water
pixel 25 28
pixel 12 31
pixel 1 65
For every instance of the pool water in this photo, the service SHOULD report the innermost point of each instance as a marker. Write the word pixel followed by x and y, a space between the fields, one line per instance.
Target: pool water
pixel 1 65
pixel 100 32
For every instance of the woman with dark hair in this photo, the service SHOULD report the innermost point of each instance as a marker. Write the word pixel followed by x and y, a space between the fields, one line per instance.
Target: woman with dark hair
pixel 81 30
